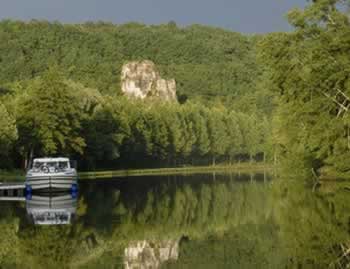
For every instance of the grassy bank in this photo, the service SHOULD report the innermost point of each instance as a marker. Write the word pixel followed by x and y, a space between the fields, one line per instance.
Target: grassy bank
pixel 12 175
pixel 242 167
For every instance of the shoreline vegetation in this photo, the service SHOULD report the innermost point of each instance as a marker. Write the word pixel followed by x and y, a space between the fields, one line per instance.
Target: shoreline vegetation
pixel 244 167
pixel 220 168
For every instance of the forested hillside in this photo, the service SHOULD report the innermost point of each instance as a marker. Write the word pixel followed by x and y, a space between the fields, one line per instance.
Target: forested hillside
pixel 60 90
pixel 206 62
pixel 280 96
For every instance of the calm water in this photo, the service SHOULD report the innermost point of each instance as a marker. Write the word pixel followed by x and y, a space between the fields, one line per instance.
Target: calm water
pixel 200 221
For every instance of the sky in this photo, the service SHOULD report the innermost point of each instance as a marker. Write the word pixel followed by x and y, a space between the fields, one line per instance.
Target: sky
pixel 246 16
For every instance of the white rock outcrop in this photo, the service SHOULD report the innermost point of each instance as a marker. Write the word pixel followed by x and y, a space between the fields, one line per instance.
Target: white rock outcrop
pixel 140 79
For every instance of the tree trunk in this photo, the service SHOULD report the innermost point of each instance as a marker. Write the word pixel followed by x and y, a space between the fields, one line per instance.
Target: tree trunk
pixel 169 160
pixel 28 158
pixel 214 161
pixel 26 161
pixel 348 138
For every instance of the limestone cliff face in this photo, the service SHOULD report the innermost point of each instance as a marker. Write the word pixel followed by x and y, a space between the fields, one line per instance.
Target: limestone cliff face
pixel 142 80
pixel 150 254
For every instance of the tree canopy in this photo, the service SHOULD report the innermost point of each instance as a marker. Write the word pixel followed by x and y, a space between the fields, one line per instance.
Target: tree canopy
pixel 309 69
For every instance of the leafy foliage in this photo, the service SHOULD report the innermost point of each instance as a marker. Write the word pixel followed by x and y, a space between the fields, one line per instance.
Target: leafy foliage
pixel 8 131
pixel 206 62
pixel 309 69
pixel 49 116
pixel 61 83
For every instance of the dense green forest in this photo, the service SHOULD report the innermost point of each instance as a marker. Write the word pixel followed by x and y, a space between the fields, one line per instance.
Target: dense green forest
pixel 206 62
pixel 309 71
pixel 55 116
pixel 281 97
pixel 60 94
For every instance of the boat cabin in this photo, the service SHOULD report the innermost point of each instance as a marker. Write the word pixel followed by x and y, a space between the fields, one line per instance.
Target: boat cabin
pixel 50 165
pixel 51 173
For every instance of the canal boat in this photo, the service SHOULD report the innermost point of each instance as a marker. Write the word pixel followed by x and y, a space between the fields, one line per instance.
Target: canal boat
pixel 52 174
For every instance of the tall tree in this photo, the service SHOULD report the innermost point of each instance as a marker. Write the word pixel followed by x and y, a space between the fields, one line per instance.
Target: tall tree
pixel 217 133
pixel 8 134
pixel 196 115
pixel 49 117
pixel 235 138
pixel 106 131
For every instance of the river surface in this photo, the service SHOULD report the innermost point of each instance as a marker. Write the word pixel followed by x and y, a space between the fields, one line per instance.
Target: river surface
pixel 198 221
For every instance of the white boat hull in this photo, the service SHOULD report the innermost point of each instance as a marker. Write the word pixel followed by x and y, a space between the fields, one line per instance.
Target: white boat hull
pixel 51 182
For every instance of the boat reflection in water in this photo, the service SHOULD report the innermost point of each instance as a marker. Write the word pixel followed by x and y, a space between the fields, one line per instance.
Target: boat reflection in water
pixel 51 208
pixel 43 206
pixel 51 191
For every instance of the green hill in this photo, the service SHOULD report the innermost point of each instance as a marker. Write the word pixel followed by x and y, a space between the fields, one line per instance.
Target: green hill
pixel 206 62
pixel 60 88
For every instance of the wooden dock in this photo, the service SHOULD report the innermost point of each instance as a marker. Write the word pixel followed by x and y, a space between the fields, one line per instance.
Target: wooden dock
pixel 12 186
pixel 12 192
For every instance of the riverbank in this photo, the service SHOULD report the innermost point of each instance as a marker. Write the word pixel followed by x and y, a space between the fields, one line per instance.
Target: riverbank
pixel 13 175
pixel 242 167
pixel 19 175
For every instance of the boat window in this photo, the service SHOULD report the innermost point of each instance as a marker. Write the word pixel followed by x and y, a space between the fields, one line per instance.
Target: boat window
pixel 51 164
pixel 63 165
pixel 37 165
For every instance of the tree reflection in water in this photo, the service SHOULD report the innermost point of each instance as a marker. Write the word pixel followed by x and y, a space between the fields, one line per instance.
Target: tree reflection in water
pixel 226 221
